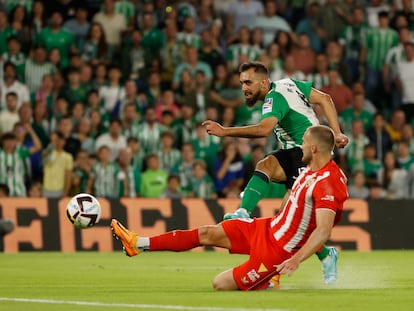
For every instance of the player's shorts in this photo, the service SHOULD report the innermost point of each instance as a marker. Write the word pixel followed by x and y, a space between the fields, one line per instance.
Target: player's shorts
pixel 291 162
pixel 253 237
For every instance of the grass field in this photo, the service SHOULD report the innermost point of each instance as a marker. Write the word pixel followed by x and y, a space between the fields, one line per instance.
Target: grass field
pixel 182 281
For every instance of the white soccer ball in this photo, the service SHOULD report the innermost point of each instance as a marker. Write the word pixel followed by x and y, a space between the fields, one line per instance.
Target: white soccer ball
pixel 83 211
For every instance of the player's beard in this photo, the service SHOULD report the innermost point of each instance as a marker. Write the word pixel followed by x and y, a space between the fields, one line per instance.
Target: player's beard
pixel 306 159
pixel 253 100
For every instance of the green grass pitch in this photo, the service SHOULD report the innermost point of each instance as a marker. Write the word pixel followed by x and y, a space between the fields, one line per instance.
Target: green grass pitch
pixel 379 280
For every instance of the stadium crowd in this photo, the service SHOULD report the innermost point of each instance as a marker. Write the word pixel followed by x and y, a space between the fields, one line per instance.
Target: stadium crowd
pixel 107 97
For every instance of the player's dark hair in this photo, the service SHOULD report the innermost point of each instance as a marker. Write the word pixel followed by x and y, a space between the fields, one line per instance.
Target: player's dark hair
pixel 257 66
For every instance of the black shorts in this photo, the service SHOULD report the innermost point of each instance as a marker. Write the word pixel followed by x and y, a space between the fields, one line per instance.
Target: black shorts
pixel 291 162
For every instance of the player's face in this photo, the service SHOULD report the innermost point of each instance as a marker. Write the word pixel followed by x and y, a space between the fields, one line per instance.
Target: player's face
pixel 306 149
pixel 251 86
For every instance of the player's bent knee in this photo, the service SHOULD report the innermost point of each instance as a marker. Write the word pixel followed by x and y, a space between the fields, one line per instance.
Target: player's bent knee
pixel 225 281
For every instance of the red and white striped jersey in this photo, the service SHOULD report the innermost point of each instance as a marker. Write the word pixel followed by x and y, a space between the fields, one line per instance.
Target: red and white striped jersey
pixel 322 189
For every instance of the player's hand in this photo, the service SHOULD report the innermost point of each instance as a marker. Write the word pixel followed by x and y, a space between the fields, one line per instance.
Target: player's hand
pixel 288 266
pixel 213 128
pixel 341 140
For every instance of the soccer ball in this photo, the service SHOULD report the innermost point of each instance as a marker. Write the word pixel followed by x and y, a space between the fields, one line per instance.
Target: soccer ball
pixel 83 211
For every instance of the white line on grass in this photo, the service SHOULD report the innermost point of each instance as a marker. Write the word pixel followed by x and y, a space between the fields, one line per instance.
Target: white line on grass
pixel 127 305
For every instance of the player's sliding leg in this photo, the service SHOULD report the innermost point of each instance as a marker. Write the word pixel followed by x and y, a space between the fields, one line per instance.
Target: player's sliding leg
pixel 329 257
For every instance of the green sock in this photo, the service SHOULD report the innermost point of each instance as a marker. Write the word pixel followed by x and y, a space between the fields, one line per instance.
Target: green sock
pixel 323 253
pixel 256 189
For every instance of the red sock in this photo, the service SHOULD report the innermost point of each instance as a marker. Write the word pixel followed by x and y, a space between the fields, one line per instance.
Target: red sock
pixel 177 240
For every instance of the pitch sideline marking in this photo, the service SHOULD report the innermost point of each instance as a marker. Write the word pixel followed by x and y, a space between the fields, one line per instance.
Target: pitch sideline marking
pixel 127 305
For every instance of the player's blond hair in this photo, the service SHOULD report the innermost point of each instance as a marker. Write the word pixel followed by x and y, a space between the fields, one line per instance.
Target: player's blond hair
pixel 324 137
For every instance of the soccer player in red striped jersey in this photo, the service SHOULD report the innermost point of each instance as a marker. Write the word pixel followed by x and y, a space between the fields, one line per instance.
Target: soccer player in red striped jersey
pixel 278 244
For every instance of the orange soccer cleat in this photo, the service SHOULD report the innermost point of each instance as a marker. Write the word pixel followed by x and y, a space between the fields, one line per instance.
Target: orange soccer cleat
pixel 128 238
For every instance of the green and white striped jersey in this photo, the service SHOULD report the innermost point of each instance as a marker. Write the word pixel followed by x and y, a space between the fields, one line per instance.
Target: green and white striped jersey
pixel 33 73
pixel 106 183
pixel 203 188
pixel 235 50
pixel 378 42
pixel 13 170
pixel 126 8
pixel 170 159
pixel 287 100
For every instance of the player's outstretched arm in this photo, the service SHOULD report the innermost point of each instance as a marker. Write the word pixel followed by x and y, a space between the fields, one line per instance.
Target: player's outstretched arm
pixel 262 129
pixel 324 101
pixel 324 224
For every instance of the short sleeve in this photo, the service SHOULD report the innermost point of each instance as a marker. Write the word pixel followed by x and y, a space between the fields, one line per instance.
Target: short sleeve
pixel 304 86
pixel 274 105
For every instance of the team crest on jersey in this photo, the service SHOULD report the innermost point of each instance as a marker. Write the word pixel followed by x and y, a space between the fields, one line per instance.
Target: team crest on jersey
pixel 267 105
pixel 309 182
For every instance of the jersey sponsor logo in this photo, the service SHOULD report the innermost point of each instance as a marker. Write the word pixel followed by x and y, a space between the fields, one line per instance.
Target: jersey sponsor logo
pixel 328 198
pixel 267 105
pixel 262 268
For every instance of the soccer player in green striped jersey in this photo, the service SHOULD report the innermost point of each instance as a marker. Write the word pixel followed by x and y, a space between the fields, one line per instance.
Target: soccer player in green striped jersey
pixel 287 111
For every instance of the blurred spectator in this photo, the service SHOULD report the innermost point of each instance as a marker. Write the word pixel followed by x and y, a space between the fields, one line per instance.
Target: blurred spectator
pixel 127 9
pixel 356 112
pixel 371 164
pixel 405 81
pixel 355 149
pixel 358 87
pixel 378 42
pixel 65 127
pixel 228 171
pixel 242 13
pixel 395 55
pixel 134 57
pixel 55 36
pixel 373 8
pixel 240 49
pixel 340 93
pixel 304 55
pixel 289 70
pixel 45 95
pixel 153 91
pixel 275 60
pixel 167 119
pixel 379 136
pixel 188 37
pixel 13 160
pixel 205 146
pixel 35 190
pixel 410 182
pixel 173 190
pixel 285 42
pixel 305 26
pixel 357 188
pixel 131 176
pixel 95 49
pixel 270 22
pixel 113 24
pixel 184 126
pixel 335 55
pixel 394 128
pixel 83 134
pixel 168 155
pixel 11 84
pixel 204 20
pixel 38 18
pixel 113 93
pixel 36 67
pixel 93 103
pixel 114 140
pixel 209 52
pixel 407 136
pixel 404 158
pixel 153 39
pixel 130 121
pixel 80 173
pixel 172 53
pixel 137 153
pixel 184 168
pixel 54 57
pixel 6 30
pixel 6 225
pixel 153 179
pixel 133 97
pixel 193 65
pixel 10 115
pixel 58 165
pixel 74 91
pixel 15 56
pixel 392 178
pixel 319 77
pixel 202 185
pixel 352 39
pixel 167 104
pixel 150 132
pixel 105 176
pixel 330 20
pixel 100 76
pixel 79 26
